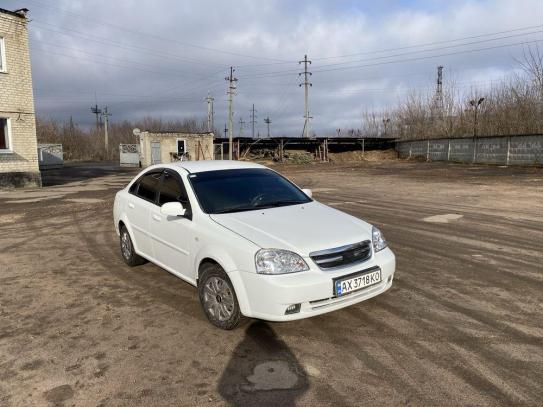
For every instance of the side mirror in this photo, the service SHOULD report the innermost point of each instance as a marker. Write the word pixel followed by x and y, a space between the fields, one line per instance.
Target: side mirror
pixel 308 192
pixel 173 209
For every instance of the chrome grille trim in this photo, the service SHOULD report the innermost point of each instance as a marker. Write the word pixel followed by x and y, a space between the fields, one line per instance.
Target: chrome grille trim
pixel 342 256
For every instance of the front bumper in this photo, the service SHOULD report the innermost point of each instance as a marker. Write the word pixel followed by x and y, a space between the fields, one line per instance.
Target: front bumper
pixel 268 296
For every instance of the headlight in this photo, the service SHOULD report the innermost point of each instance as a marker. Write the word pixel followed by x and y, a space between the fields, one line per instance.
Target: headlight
pixel 378 240
pixel 277 261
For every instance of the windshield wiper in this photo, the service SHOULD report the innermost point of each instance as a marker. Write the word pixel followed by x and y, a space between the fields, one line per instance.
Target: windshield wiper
pixel 235 209
pixel 285 203
pixel 261 206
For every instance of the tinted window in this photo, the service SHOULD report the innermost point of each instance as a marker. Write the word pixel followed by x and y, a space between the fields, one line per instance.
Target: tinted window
pixel 148 186
pixel 171 190
pixel 4 140
pixel 244 190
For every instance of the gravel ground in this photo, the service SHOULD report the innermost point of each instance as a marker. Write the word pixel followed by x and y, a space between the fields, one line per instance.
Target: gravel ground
pixel 462 324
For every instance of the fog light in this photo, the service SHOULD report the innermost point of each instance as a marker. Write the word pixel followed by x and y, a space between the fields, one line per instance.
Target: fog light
pixel 293 309
pixel 389 279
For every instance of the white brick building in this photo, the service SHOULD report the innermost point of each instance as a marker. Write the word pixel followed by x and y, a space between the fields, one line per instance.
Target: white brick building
pixel 18 146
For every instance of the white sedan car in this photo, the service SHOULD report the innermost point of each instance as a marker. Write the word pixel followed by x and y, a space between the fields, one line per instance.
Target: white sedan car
pixel 253 243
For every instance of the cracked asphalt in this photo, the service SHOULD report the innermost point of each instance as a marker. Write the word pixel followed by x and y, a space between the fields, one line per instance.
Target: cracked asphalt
pixel 462 325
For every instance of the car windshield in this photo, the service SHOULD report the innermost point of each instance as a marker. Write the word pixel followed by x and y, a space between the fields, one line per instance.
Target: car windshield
pixel 238 190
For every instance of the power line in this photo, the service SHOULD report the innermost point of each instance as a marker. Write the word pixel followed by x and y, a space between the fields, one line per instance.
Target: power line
pixel 106 41
pixel 131 62
pixel 320 70
pixel 430 56
pixel 338 66
pixel 86 18
pixel 433 49
pixel 431 43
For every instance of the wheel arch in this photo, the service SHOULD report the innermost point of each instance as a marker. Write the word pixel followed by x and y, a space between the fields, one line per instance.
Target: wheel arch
pixel 222 258
pixel 124 222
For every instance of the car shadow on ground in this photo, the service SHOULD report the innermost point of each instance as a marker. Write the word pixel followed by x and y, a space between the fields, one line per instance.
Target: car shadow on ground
pixel 262 371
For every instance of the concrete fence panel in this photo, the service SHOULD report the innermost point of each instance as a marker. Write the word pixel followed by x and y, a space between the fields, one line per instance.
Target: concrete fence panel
pixel 461 150
pixel 507 150
pixel 526 150
pixel 492 150
pixel 438 150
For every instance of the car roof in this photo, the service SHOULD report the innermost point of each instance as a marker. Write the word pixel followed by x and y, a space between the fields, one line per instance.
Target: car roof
pixel 212 165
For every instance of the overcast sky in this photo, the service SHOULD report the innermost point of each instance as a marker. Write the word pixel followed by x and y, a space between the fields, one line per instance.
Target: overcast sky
pixel 160 58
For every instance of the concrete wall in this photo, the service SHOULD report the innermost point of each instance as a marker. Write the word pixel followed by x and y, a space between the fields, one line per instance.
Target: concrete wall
pixel 18 164
pixel 509 150
pixel 199 146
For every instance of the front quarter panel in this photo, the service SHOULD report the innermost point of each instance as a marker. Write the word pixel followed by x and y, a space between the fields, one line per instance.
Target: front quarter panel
pixel 232 252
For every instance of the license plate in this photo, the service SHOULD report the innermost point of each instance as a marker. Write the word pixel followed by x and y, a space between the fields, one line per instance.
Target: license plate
pixel 355 282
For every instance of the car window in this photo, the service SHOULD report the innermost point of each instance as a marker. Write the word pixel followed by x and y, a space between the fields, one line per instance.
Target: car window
pixel 148 186
pixel 172 190
pixel 237 190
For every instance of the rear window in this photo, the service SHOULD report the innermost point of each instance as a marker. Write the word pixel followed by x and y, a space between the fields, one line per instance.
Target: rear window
pixel 148 186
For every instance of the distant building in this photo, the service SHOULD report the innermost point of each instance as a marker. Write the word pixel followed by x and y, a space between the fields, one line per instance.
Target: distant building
pixel 166 147
pixel 18 145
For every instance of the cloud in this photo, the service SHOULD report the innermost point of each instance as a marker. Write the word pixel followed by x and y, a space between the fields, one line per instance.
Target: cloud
pixel 166 56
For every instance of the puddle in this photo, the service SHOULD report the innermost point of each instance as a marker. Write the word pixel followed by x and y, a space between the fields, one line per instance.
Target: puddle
pixel 445 218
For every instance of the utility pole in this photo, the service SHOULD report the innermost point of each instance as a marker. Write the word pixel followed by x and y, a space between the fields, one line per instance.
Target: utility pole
pixel 306 84
pixel 225 130
pixel 475 104
pixel 106 115
pixel 231 91
pixel 253 120
pixel 439 88
pixel 438 99
pixel 268 122
pixel 95 110
pixel 386 121
pixel 241 123
pixel 210 112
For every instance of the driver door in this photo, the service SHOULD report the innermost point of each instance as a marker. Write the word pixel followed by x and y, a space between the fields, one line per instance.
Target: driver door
pixel 172 235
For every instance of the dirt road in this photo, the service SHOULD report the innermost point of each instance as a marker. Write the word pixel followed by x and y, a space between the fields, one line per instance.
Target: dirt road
pixel 462 325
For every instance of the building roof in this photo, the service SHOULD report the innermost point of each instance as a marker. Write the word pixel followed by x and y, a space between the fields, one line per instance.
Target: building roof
pixel 21 13
pixel 173 133
pixel 211 165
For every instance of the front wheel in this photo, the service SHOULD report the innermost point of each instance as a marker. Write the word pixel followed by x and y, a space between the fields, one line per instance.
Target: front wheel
pixel 218 297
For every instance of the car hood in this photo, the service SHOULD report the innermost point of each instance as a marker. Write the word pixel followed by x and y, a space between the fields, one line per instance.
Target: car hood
pixel 300 228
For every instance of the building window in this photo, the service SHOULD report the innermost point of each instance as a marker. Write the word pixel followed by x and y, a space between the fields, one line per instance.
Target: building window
pixel 5 133
pixel 2 55
pixel 181 146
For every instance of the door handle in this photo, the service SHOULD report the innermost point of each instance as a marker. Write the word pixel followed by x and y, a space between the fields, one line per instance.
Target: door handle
pixel 130 205
pixel 156 217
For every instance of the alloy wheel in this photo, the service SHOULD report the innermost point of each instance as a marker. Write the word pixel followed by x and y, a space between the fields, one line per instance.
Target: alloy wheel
pixel 126 245
pixel 218 298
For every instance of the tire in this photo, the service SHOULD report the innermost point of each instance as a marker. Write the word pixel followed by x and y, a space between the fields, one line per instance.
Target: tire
pixel 218 298
pixel 127 249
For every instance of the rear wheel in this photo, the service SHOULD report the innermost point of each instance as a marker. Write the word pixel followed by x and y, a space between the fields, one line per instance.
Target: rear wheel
pixel 127 249
pixel 218 297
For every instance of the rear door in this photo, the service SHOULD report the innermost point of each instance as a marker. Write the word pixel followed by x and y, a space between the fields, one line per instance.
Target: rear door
pixel 172 235
pixel 141 198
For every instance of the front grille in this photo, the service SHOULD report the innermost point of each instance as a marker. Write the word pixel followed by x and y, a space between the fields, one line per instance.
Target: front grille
pixel 342 256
